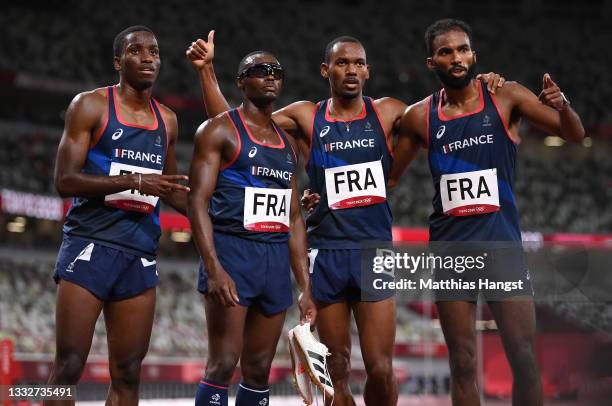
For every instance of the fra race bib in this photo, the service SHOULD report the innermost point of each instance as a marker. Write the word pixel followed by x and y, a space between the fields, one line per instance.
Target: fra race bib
pixel 267 210
pixel 469 193
pixel 131 199
pixel 355 185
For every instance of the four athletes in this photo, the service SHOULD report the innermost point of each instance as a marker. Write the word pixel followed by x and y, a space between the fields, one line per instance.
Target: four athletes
pixel 117 157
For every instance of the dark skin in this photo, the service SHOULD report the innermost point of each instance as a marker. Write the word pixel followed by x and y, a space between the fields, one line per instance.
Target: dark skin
pixel 346 71
pixel 515 317
pixel 236 331
pixel 128 321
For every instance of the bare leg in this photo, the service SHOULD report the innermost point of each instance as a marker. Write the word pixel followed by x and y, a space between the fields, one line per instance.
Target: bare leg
pixel 225 340
pixel 128 325
pixel 261 335
pixel 515 319
pixel 376 325
pixel 333 325
pixel 458 320
pixel 76 313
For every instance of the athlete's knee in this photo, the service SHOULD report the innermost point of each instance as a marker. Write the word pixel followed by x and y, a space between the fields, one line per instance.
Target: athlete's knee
pixel 339 365
pixel 463 363
pixel 221 368
pixel 380 370
pixel 68 367
pixel 126 373
pixel 523 361
pixel 255 371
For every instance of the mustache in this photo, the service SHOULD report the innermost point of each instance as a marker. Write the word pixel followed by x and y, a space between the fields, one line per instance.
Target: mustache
pixel 453 82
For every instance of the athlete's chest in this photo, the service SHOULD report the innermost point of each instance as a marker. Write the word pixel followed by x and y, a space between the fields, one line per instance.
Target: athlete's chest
pixel 359 136
pixel 478 133
pixel 132 145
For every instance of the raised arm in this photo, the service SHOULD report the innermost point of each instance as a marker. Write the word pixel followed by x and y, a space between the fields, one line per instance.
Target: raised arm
pixel 201 54
pixel 84 117
pixel 549 111
pixel 211 145
pixel 294 118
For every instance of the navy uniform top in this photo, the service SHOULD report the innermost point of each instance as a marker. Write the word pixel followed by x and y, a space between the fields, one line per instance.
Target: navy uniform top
pixel 128 220
pixel 348 167
pixel 472 161
pixel 252 197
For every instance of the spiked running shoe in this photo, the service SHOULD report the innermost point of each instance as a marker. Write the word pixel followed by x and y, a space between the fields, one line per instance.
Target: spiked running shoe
pixel 314 358
pixel 301 380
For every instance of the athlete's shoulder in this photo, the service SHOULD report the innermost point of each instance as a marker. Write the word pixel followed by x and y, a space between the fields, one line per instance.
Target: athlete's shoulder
pixel 169 117
pixel 418 109
pixel 511 90
pixel 414 120
pixel 300 107
pixel 91 98
pixel 389 103
pixel 215 126
pixel 389 111
pixel 89 106
pixel 166 111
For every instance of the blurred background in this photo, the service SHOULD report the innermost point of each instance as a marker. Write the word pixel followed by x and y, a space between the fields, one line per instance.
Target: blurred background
pixel 52 50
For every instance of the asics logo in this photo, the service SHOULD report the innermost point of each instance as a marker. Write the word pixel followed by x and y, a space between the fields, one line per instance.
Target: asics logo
pixel 117 134
pixel 324 131
pixel 252 152
pixel 440 132
pixel 263 402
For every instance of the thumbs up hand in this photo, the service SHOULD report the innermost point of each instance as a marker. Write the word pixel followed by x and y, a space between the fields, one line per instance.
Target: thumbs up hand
pixel 551 95
pixel 201 53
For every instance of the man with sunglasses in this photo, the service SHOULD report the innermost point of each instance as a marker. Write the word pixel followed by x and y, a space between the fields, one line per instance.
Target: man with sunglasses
pixel 248 227
pixel 347 142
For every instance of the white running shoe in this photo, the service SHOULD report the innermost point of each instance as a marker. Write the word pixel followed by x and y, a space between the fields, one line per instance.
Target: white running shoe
pixel 314 357
pixel 301 380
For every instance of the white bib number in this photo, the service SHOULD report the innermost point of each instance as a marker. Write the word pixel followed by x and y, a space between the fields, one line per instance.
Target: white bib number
pixel 469 193
pixel 131 199
pixel 267 210
pixel 355 185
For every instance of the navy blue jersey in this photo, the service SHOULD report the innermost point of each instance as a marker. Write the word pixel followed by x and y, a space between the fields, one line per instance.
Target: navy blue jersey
pixel 348 167
pixel 128 220
pixel 252 197
pixel 472 161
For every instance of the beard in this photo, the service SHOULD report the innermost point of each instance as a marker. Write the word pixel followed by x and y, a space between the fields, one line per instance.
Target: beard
pixel 454 82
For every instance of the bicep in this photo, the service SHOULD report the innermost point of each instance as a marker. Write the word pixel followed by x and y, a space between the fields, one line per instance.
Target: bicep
pixel 542 116
pixel 205 166
pixel 74 145
pixel 283 119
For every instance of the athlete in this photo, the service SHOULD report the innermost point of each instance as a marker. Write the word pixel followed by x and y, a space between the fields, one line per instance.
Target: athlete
pixel 249 230
pixel 346 141
pixel 472 139
pixel 116 158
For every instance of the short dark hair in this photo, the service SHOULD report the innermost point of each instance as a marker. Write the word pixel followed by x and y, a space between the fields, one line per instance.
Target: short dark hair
pixel 344 38
pixel 442 27
pixel 119 42
pixel 243 61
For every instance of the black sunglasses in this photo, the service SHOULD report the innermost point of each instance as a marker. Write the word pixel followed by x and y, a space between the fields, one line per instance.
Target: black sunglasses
pixel 262 70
